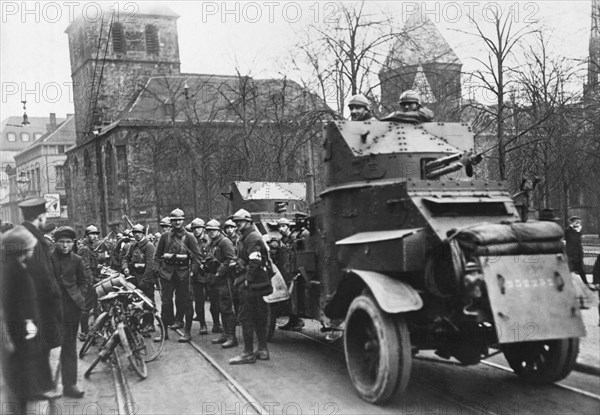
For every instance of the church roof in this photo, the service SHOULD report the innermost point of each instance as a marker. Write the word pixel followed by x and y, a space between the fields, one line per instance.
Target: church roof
pixel 215 98
pixel 420 43
pixel 271 190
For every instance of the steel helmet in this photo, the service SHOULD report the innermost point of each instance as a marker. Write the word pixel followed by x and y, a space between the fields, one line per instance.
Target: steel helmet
pixel 127 233
pixel 188 227
pixel 359 99
pixel 91 229
pixel 137 228
pixel 157 235
pixel 213 225
pixel 229 222
pixel 410 96
pixel 64 232
pixel 197 223
pixel 177 214
pixel 165 221
pixel 283 221
pixel 242 214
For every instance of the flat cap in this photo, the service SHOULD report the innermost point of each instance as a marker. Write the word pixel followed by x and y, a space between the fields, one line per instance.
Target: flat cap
pixel 64 232
pixel 574 218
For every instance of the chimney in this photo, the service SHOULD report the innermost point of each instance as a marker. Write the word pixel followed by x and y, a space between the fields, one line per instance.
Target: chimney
pixel 52 126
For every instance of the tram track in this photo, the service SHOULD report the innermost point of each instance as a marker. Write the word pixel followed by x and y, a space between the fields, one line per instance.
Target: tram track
pixel 485 362
pixel 124 398
pixel 233 384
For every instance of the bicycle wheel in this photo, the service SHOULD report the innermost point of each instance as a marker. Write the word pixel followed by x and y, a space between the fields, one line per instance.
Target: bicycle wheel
pixel 135 349
pixel 95 333
pixel 101 355
pixel 152 331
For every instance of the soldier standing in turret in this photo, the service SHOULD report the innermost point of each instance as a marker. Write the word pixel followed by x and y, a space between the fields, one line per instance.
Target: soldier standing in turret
pixel 411 109
pixel 177 257
pixel 360 109
pixel 139 262
pixel 89 255
pixel 252 282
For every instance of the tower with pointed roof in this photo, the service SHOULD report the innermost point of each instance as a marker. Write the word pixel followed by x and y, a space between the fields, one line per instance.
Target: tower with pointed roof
pixel 592 87
pixel 112 55
pixel 422 60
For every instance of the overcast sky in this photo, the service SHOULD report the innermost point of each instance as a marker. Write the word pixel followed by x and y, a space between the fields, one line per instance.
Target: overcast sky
pixel 255 37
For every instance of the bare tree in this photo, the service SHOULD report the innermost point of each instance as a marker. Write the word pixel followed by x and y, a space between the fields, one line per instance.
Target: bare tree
pixel 344 54
pixel 493 77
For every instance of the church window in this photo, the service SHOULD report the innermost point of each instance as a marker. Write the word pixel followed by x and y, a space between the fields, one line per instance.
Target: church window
pixel 118 38
pixel 152 44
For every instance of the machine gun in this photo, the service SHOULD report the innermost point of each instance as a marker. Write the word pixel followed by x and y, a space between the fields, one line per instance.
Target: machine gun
pixel 452 163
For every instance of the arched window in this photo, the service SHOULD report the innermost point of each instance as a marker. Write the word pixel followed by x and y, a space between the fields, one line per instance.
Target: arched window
pixel 152 45
pixel 118 38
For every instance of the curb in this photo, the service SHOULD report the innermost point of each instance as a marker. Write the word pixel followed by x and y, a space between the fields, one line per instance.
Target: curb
pixel 589 369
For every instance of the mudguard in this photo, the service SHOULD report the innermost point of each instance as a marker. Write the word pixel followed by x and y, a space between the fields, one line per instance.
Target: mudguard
pixel 392 295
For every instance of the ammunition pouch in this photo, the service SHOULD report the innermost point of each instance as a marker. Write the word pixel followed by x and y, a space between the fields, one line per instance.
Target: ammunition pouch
pixel 199 277
pixel 137 268
pixel 178 259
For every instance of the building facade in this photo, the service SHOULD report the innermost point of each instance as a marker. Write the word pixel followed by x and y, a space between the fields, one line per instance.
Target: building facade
pixel 15 136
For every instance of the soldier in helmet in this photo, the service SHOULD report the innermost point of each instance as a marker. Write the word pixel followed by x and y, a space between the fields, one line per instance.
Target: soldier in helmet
pixel 360 108
pixel 165 225
pixel 177 257
pixel 199 281
pixel 139 261
pixel 89 255
pixel 231 231
pixel 221 253
pixel 411 109
pixel 252 282
pixel 284 261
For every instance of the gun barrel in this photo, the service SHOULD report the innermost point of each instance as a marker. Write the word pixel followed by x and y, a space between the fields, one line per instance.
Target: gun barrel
pixel 442 161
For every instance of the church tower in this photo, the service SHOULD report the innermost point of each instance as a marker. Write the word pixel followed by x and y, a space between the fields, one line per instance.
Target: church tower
pixel 422 60
pixel 111 55
pixel 592 88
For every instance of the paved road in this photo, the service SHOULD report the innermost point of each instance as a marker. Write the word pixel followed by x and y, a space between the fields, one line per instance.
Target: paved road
pixel 307 377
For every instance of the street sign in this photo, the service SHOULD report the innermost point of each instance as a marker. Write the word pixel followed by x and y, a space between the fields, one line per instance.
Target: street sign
pixel 52 205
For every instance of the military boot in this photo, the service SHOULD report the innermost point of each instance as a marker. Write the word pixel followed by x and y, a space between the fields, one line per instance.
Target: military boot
pixel 219 340
pixel 185 337
pixel 262 354
pixel 229 343
pixel 244 358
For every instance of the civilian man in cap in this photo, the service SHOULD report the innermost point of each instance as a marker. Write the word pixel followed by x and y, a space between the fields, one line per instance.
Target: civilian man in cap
pixel 574 247
pixel 360 109
pixel 48 294
pixel 89 255
pixel 177 257
pixel 252 282
pixel 221 254
pixel 284 261
pixel 139 262
pixel 74 279
pixel 20 318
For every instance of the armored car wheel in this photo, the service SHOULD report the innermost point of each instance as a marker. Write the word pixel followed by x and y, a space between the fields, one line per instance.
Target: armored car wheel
pixel 544 361
pixel 377 348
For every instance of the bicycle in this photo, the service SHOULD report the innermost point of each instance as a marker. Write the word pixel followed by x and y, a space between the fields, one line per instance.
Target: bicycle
pixel 131 341
pixel 143 318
